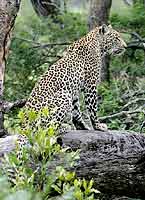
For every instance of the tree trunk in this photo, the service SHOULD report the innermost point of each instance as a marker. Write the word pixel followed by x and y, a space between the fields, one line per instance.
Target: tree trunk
pixel 46 8
pixel 115 160
pixel 98 15
pixel 8 13
pixel 128 2
pixel 99 12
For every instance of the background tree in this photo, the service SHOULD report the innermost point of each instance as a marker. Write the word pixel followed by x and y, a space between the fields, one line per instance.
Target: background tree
pixel 128 2
pixel 98 15
pixel 45 8
pixel 8 13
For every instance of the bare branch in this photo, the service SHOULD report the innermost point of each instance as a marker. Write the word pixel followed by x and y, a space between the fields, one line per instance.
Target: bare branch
pixel 137 36
pixel 135 93
pixel 122 113
pixel 9 106
pixel 128 2
pixel 52 44
pixel 40 45
pixel 26 40
pixel 142 126
pixel 133 102
pixel 136 45
pixel 137 42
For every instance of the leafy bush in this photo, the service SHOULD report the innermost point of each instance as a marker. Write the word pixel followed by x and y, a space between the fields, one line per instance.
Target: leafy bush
pixel 6 192
pixel 32 171
pixel 132 63
pixel 118 94
pixel 133 21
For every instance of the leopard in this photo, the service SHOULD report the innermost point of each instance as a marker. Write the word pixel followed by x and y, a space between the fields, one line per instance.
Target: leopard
pixel 78 71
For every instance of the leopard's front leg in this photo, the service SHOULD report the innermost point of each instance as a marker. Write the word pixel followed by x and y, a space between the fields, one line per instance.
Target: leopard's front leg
pixel 91 101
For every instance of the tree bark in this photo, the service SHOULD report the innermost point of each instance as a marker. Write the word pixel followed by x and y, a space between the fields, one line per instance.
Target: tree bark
pixel 8 13
pixel 115 160
pixel 99 12
pixel 98 15
pixel 128 2
pixel 46 8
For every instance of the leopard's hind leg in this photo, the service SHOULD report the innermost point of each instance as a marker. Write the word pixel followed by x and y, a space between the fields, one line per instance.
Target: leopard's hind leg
pixel 77 116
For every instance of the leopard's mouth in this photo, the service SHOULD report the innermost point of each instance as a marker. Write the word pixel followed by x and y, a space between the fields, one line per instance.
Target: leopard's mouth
pixel 118 51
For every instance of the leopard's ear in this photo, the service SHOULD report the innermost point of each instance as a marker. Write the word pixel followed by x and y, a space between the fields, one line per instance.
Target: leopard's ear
pixel 109 26
pixel 103 29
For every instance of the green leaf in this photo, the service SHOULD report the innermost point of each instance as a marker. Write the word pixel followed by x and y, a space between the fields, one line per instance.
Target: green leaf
pixel 45 111
pixel 32 115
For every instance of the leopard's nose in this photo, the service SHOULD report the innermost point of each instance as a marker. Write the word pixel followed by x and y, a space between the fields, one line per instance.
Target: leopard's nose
pixel 124 44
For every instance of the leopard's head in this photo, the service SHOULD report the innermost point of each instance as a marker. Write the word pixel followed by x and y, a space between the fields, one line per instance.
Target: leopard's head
pixel 112 43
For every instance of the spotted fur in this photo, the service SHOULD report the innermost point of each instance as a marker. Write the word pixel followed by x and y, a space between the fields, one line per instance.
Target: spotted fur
pixel 79 70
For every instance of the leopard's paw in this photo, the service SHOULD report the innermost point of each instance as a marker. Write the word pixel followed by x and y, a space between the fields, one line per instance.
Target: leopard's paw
pixel 101 127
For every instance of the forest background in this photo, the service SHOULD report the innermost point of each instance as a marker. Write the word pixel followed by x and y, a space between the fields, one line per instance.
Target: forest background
pixel 39 39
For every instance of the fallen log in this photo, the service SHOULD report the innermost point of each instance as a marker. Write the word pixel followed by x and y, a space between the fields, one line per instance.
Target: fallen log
pixel 114 159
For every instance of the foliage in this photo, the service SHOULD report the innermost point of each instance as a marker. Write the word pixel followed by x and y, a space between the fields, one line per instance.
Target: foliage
pixel 6 192
pixel 127 73
pixel 138 15
pixel 133 66
pixel 32 173
pixel 116 96
pixel 133 21
pixel 28 59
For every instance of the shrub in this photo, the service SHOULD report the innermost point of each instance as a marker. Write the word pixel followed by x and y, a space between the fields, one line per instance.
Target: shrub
pixel 32 171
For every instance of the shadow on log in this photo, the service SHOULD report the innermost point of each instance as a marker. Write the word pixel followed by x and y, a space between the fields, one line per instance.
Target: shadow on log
pixel 114 159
